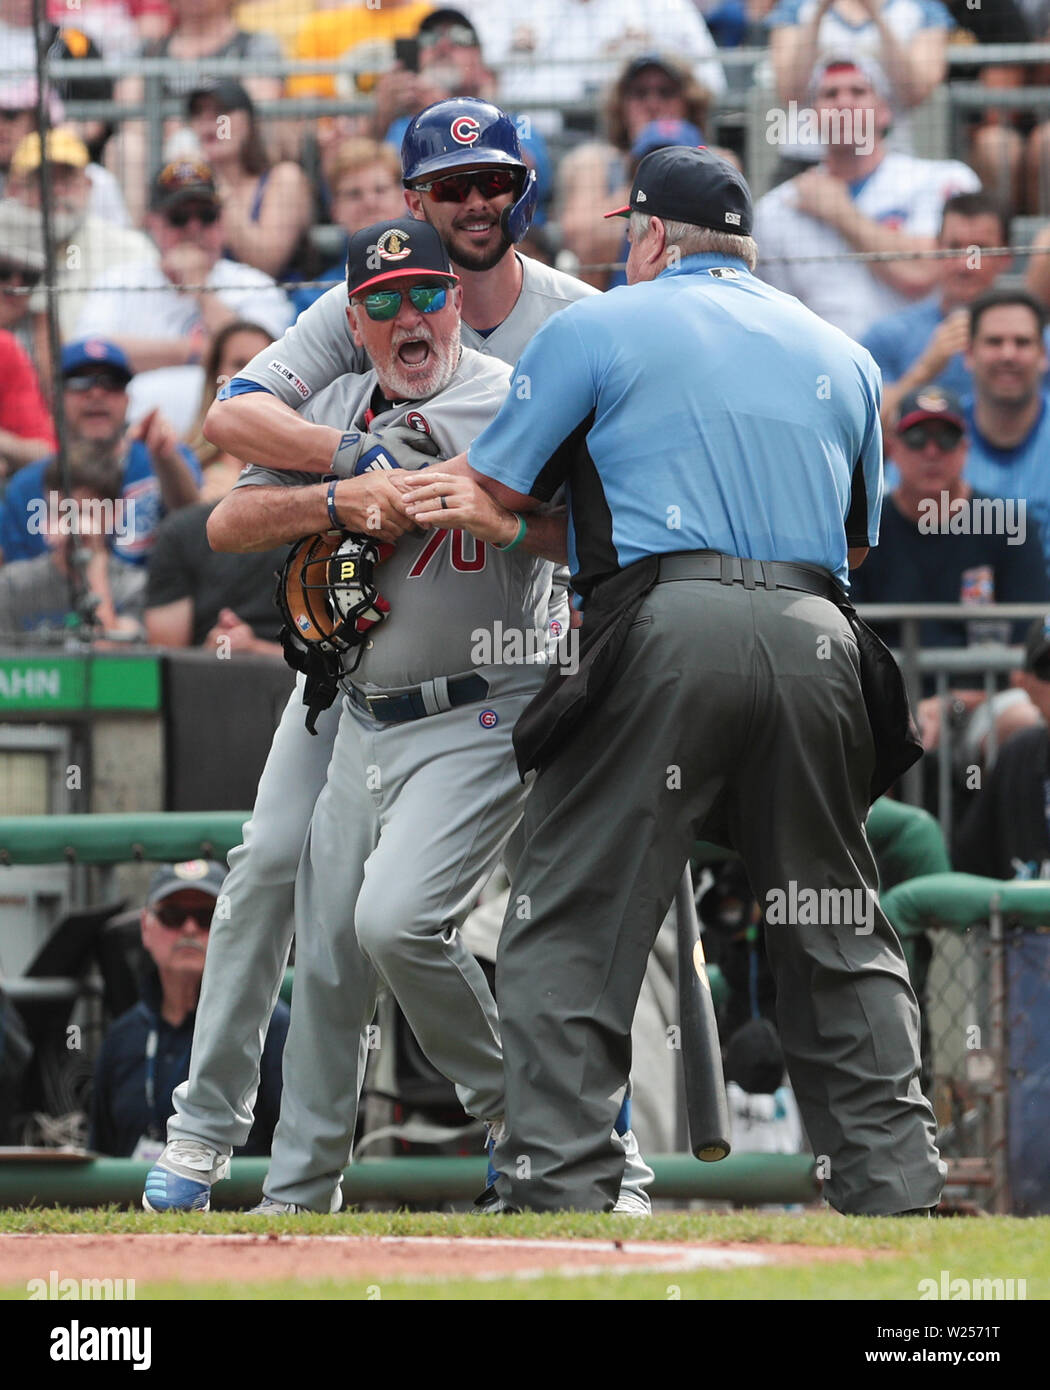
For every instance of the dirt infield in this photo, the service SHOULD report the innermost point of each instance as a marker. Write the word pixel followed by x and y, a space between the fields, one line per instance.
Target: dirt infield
pixel 248 1258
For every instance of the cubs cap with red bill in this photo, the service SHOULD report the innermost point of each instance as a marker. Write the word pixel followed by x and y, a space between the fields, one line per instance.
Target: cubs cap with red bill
pixel 931 403
pixel 395 250
pixel 682 184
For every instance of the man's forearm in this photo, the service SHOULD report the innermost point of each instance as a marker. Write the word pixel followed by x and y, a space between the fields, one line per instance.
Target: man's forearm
pixel 911 277
pixel 16 451
pixel 178 486
pixel 259 428
pixel 147 354
pixel 546 535
pixel 250 519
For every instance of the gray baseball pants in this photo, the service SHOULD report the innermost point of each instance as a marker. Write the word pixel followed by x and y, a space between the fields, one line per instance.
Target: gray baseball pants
pixel 251 936
pixel 411 821
pixel 750 700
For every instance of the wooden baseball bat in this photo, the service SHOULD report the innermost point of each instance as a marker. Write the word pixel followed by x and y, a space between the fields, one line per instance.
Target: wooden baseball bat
pixel 707 1108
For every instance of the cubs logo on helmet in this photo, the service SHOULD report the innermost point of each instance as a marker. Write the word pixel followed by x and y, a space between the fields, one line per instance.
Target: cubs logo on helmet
pixel 465 130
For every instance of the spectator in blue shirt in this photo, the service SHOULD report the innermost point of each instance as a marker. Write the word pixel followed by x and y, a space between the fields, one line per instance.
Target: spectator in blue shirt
pixel 146 1052
pixel 157 474
pixel 1007 417
pixel 941 541
pixel 926 341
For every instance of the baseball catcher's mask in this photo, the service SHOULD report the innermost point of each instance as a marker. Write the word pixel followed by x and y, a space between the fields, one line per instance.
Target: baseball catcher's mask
pixel 327 594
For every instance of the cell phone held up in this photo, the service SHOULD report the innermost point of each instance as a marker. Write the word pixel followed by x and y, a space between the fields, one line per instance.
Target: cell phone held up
pixel 406 53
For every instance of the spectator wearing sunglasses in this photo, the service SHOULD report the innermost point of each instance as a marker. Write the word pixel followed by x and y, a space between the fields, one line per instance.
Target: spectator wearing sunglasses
pixel 919 559
pixel 163 314
pixel 153 474
pixel 99 244
pixel 146 1052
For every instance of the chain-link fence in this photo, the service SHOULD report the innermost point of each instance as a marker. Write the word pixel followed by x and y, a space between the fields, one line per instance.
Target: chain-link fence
pixel 979 953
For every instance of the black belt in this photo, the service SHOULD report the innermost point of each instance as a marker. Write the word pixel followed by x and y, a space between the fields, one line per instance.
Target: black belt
pixel 432 697
pixel 753 574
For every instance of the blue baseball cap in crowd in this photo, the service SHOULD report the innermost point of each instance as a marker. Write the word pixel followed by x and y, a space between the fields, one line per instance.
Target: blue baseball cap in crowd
pixel 206 875
pixel 657 135
pixel 90 353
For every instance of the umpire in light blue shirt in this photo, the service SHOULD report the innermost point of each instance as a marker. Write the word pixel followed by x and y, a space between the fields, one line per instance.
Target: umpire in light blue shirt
pixel 720 450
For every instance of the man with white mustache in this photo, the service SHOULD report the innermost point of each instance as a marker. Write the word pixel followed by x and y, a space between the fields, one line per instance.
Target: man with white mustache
pixel 146 1052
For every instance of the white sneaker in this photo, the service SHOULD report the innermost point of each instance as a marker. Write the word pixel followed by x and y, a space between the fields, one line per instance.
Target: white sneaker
pixel 182 1176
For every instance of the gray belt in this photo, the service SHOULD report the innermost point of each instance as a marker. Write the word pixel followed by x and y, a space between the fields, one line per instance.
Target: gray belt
pixel 752 574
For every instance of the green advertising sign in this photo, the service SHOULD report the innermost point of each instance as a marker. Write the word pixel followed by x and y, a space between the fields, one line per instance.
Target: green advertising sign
pixel 31 684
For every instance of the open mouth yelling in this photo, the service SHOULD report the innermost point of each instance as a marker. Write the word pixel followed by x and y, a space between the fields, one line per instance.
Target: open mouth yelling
pixel 414 352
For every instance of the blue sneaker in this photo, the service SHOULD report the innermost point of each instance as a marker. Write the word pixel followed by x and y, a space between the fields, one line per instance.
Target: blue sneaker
pixel 181 1178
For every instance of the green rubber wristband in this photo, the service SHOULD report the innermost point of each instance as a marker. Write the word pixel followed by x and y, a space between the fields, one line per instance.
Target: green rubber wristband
pixel 522 526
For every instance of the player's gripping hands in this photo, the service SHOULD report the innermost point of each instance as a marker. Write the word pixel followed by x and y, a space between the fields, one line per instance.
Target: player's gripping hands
pixel 442 500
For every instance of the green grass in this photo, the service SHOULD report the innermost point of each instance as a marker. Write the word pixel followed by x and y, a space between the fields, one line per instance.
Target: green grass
pixel 909 1250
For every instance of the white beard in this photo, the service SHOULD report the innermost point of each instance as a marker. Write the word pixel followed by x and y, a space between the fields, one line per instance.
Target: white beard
pixel 399 385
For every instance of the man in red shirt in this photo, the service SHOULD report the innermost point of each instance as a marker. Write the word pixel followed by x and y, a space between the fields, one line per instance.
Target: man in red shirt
pixel 25 424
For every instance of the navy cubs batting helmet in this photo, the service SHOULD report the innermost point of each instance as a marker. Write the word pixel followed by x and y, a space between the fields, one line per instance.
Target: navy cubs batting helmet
pixel 467 133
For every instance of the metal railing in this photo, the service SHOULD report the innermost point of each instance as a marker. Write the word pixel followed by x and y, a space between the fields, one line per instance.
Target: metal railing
pixel 984 665
pixel 743 105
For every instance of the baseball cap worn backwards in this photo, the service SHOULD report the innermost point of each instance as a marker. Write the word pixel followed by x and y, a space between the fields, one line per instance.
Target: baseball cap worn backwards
pixel 682 184
pixel 395 250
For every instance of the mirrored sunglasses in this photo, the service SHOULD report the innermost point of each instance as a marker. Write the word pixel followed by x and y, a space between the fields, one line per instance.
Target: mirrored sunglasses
pixel 490 183
pixel 204 213
pixel 945 436
pixel 173 917
pixel 385 304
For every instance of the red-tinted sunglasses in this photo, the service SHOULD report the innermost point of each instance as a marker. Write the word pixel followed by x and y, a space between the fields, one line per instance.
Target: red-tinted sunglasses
pixel 490 183
pixel 173 917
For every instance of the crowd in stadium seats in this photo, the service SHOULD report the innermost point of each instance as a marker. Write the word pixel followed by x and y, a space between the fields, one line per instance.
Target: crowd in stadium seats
pixel 169 274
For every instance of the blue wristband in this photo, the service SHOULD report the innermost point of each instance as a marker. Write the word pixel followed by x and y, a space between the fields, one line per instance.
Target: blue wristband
pixel 333 515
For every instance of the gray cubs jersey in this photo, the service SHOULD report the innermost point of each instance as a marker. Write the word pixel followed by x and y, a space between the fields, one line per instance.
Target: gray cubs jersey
pixel 318 348
pixel 447 591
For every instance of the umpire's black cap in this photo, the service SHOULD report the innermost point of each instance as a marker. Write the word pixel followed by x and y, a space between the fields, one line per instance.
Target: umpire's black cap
pixel 682 184
pixel 396 250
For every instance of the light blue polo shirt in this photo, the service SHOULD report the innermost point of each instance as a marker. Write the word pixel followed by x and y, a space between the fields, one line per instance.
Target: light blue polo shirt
pixel 1023 471
pixel 703 410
